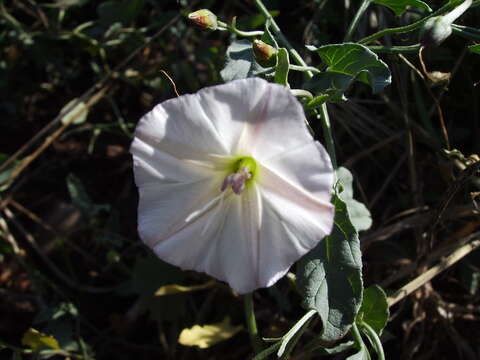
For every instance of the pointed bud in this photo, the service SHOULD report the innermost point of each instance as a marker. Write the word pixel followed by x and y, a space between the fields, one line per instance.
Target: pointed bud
pixel 439 28
pixel 435 31
pixel 204 19
pixel 266 55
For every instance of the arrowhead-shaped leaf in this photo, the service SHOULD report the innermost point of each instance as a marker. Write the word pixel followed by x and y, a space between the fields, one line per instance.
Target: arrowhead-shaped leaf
pixel 330 276
pixel 347 63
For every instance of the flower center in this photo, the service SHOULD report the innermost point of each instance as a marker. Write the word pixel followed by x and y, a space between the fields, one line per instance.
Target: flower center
pixel 242 171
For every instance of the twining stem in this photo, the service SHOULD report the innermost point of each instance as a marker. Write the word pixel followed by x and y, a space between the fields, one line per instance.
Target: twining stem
pixel 327 130
pixel 377 344
pixel 353 26
pixel 357 337
pixel 252 323
pixel 403 29
pixel 395 49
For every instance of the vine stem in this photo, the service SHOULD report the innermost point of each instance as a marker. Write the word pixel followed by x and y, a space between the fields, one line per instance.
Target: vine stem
pixel 325 120
pixel 353 26
pixel 357 337
pixel 372 334
pixel 252 323
pixel 403 29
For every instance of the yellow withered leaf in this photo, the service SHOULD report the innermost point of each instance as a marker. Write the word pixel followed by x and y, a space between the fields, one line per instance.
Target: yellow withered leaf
pixel 176 289
pixel 208 335
pixel 35 340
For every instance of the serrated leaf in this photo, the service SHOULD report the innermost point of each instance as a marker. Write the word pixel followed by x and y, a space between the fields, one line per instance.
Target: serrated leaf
pixel 240 61
pixel 206 336
pixel 76 115
pixel 358 212
pixel 400 6
pixel 474 49
pixel 347 63
pixel 374 309
pixel 36 340
pixel 282 67
pixel 330 276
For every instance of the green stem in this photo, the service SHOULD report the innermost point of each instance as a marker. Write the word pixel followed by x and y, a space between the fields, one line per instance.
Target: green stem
pixel 327 133
pixel 252 323
pixel 466 32
pixel 372 334
pixel 357 337
pixel 353 26
pixel 299 60
pixel 404 29
pixel 304 68
pixel 395 49
pixel 233 28
pixel 276 29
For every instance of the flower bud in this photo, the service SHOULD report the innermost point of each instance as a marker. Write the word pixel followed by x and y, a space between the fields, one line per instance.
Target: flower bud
pixel 435 31
pixel 204 19
pixel 438 28
pixel 266 55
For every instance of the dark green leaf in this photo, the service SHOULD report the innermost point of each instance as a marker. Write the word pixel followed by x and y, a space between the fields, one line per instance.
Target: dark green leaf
pixel 358 212
pixel 330 276
pixel 400 6
pixel 374 309
pixel 240 61
pixel 281 70
pixel 347 63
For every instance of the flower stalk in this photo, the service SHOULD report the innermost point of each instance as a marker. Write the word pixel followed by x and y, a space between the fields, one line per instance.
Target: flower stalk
pixel 252 323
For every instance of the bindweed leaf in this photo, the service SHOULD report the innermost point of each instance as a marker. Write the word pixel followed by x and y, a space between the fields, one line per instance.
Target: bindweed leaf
pixel 400 6
pixel 208 335
pixel 330 276
pixel 374 309
pixel 281 69
pixel 240 61
pixel 347 63
pixel 358 212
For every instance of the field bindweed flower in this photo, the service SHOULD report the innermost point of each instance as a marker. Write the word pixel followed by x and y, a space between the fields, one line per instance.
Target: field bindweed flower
pixel 231 183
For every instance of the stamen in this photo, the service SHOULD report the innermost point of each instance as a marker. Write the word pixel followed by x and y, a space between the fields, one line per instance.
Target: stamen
pixel 236 181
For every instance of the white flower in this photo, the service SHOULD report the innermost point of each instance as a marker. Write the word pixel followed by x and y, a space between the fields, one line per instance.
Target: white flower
pixel 231 183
